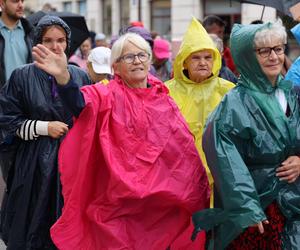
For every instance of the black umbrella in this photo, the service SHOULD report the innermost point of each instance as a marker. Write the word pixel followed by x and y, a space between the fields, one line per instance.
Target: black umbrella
pixel 77 24
pixel 280 5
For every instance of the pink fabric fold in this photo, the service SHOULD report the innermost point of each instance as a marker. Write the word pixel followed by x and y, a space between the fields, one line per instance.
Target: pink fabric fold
pixel 130 171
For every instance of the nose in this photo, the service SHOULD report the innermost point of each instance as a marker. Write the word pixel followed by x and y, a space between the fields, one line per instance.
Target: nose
pixel 136 59
pixel 54 46
pixel 202 61
pixel 273 55
pixel 21 3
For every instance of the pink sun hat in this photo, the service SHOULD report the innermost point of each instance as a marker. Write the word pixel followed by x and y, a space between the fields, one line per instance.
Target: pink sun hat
pixel 161 48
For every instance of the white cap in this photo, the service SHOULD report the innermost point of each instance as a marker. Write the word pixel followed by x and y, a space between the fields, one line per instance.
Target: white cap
pixel 100 36
pixel 100 59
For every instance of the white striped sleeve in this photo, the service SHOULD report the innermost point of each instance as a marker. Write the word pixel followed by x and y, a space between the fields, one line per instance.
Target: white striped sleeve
pixel 32 129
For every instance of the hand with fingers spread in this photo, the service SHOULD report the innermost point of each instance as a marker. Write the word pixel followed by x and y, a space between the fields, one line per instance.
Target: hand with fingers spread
pixel 260 226
pixel 54 64
pixel 289 170
pixel 57 129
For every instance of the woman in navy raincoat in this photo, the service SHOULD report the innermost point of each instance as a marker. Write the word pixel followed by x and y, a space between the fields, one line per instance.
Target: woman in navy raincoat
pixel 252 146
pixel 33 121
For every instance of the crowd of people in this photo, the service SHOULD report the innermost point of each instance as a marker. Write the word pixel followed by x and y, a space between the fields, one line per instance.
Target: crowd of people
pixel 119 146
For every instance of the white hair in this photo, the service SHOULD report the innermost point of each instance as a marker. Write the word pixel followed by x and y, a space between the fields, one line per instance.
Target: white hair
pixel 137 40
pixel 275 32
pixel 217 41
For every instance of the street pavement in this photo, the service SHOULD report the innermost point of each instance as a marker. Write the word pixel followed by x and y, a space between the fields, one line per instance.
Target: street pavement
pixel 2 187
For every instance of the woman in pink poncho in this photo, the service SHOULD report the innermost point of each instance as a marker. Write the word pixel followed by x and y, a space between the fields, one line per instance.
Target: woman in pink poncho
pixel 130 172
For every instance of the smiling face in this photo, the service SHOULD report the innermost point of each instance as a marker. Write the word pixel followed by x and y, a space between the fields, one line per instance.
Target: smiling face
pixel 53 37
pixel 199 65
pixel 133 74
pixel 271 64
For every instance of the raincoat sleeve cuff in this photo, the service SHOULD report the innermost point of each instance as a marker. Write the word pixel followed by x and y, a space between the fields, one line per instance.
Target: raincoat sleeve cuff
pixel 42 128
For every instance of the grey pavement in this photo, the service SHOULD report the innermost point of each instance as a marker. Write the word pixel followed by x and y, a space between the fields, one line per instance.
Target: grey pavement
pixel 2 245
pixel 2 187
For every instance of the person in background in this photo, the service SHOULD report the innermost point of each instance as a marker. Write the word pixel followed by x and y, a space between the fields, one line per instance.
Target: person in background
pixel 100 40
pixel 123 188
pixel 161 59
pixel 137 24
pixel 98 65
pixel 293 73
pixel 82 53
pixel 215 25
pixel 252 146
pixel 15 38
pixel 34 120
pixel 197 89
pixel 225 72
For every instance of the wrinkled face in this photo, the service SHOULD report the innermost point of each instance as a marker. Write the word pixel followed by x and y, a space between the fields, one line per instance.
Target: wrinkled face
pixel 13 9
pixel 271 59
pixel 135 73
pixel 199 65
pixel 216 29
pixel 85 47
pixel 55 37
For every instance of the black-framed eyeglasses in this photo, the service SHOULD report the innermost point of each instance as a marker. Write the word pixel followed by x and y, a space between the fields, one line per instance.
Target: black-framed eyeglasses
pixel 129 58
pixel 266 51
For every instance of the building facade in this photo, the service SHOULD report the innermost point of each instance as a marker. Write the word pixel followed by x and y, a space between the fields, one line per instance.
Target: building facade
pixel 169 18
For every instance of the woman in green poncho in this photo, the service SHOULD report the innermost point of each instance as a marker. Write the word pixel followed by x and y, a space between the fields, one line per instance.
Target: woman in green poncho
pixel 252 143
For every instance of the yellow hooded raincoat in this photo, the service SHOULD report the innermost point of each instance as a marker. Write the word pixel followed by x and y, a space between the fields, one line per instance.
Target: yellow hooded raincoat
pixel 197 100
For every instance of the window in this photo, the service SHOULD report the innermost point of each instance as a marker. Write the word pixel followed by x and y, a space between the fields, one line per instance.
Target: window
pixel 161 17
pixel 82 7
pixel 67 6
pixel 106 13
pixel 124 12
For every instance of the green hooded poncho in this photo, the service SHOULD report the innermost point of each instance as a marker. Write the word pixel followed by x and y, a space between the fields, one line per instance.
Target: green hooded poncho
pixel 246 138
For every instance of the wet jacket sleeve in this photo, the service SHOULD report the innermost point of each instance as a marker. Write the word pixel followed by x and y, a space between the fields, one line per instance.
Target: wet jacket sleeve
pixel 72 97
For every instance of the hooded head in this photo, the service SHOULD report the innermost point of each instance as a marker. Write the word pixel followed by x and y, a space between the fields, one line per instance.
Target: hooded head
pixel 243 43
pixel 47 21
pixel 196 39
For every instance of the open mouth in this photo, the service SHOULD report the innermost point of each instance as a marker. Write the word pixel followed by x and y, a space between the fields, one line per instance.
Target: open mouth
pixel 137 69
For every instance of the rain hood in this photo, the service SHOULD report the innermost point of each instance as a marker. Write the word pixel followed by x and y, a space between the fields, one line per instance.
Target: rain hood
pixel 197 100
pixel 246 139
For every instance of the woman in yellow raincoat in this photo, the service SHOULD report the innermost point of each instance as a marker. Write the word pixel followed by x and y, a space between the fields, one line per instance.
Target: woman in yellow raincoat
pixel 196 87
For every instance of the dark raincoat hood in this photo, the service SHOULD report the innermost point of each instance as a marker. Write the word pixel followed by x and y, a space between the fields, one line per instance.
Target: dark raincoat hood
pixel 243 53
pixel 247 137
pixel 47 21
pixel 252 77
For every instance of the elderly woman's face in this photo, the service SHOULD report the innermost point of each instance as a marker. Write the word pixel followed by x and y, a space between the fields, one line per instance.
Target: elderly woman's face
pixel 55 37
pixel 271 59
pixel 133 66
pixel 199 65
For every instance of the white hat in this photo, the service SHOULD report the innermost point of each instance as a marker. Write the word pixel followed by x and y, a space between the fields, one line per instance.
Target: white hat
pixel 100 36
pixel 100 59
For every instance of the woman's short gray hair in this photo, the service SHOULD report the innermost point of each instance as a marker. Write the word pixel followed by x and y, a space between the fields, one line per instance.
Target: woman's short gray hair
pixel 276 31
pixel 137 40
pixel 217 41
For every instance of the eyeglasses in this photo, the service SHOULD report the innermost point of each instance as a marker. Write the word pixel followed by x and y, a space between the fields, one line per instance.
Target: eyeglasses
pixel 266 51
pixel 129 58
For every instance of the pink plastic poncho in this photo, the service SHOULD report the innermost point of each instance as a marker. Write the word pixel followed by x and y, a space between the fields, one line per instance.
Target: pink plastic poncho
pixel 130 171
